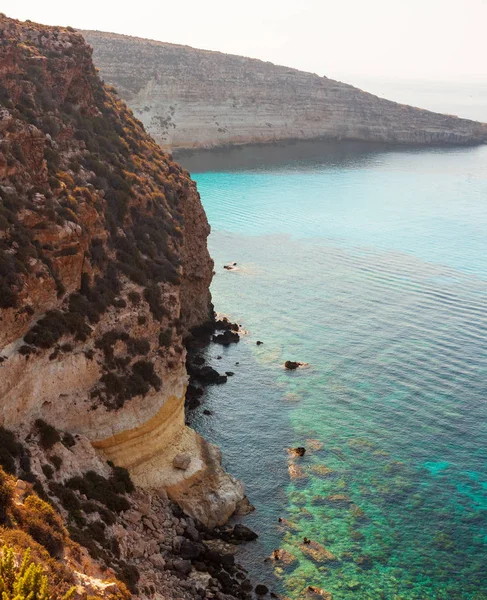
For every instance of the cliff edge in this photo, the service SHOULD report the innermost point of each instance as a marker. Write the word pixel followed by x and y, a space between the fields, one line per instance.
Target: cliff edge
pixel 190 98
pixel 104 271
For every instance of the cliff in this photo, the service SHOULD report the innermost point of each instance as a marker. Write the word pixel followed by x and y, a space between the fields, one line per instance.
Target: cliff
pixel 189 98
pixel 104 272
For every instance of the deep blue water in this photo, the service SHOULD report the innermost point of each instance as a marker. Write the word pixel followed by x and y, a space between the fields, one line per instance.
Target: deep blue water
pixel 370 264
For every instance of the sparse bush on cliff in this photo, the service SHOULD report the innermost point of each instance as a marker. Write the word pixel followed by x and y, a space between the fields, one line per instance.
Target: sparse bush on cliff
pixel 25 581
pixel 145 369
pixel 57 461
pixel 10 451
pixel 68 440
pixel 54 325
pixel 96 487
pixel 152 295
pixel 137 347
pixel 165 338
pixel 120 481
pixel 129 574
pixel 6 495
pixel 48 471
pixel 48 435
pixel 134 297
pixel 38 519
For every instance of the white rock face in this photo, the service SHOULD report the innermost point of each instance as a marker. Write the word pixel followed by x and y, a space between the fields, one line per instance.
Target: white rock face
pixel 189 98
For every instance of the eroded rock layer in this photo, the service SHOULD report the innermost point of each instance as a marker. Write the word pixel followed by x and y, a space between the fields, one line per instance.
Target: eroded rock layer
pixel 189 98
pixel 104 269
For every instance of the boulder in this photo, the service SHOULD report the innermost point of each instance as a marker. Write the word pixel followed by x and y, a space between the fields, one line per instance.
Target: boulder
pixel 226 338
pixel 317 552
pixel 157 561
pixel 181 461
pixel 299 451
pixel 207 374
pixel 261 589
pixel 182 566
pixel 243 533
pixel 191 550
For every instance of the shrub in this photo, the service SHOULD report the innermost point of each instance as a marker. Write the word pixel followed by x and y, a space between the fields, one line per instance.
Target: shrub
pixel 145 369
pixel 39 520
pixel 129 574
pixel 48 435
pixel 48 471
pixel 120 481
pixel 68 440
pixel 134 297
pixel 6 495
pixel 67 497
pixel 10 450
pixel 26 581
pixel 96 487
pixel 165 338
pixel 57 461
pixel 137 347
pixel 152 295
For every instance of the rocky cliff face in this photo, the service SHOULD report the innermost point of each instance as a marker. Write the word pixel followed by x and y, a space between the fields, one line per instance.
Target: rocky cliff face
pixel 190 98
pixel 104 271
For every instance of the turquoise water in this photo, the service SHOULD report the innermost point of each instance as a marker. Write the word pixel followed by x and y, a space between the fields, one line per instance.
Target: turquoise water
pixel 370 265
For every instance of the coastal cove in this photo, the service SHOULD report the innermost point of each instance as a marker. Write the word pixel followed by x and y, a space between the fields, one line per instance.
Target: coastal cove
pixel 379 258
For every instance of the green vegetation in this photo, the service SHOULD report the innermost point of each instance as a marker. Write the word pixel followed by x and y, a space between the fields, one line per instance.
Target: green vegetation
pixel 107 171
pixel 106 491
pixel 27 581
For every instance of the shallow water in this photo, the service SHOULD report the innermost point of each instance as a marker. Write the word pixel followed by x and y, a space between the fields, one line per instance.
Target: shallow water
pixel 370 265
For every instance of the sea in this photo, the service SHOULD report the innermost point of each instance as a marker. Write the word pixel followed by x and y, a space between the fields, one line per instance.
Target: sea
pixel 368 263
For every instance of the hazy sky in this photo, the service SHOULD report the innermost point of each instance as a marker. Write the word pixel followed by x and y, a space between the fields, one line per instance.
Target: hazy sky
pixel 440 40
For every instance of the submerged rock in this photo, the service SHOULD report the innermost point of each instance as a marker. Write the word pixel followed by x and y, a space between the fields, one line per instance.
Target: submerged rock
pixel 315 593
pixel 322 470
pixel 296 472
pixel 339 499
pixel 317 552
pixel 299 451
pixel 283 557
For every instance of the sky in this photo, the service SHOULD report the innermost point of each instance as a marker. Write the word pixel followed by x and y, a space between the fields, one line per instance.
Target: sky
pixel 395 40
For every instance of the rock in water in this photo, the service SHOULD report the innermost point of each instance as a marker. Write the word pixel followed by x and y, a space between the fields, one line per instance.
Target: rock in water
pixel 226 338
pixel 261 589
pixel 291 365
pixel 243 533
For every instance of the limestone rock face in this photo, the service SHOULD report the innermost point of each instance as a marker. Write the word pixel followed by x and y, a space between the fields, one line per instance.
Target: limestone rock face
pixel 189 98
pixel 104 269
